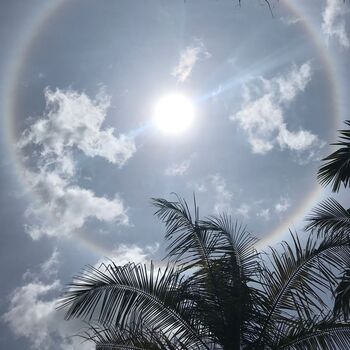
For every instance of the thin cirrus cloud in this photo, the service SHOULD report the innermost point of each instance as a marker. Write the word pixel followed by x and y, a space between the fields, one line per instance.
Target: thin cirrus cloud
pixel 71 124
pixel 333 25
pixel 188 58
pixel 264 213
pixel 283 205
pixel 217 186
pixel 178 169
pixel 262 114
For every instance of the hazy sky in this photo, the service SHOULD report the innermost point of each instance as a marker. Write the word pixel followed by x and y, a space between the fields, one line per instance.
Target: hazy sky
pixel 81 155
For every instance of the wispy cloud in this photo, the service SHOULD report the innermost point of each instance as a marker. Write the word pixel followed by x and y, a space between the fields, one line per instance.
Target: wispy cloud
pixel 262 114
pixel 178 169
pixel 333 25
pixel 218 189
pixel 71 124
pixel 282 205
pixel 264 213
pixel 243 210
pixel 290 20
pixel 188 58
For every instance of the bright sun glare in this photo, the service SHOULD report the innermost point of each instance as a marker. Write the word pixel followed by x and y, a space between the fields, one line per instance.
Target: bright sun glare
pixel 174 113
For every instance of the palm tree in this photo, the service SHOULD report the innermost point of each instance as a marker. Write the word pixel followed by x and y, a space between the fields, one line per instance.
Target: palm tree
pixel 217 292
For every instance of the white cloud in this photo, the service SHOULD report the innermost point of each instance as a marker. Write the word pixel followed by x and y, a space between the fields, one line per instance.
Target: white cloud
pixel 47 270
pixel 63 207
pixel 31 316
pixel 223 196
pixel 333 25
pixel 188 58
pixel 178 169
pixel 73 120
pixel 264 213
pixel 32 310
pixel 50 266
pixel 290 20
pixel 262 113
pixel 243 210
pixel 282 205
pixel 124 254
pixel 72 123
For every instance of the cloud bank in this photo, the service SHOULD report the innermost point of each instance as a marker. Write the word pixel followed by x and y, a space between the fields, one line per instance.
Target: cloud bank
pixel 71 126
pixel 32 310
pixel 262 114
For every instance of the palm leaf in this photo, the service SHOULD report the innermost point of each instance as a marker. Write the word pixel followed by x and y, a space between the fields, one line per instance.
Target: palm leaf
pixel 336 170
pixel 189 245
pixel 329 217
pixel 342 299
pixel 297 280
pixel 119 293
pixel 327 335
pixel 236 242
pixel 136 336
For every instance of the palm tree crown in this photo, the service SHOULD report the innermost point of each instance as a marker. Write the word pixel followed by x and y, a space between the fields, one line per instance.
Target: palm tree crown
pixel 218 292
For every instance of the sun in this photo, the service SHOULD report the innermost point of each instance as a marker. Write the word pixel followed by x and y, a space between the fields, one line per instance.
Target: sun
pixel 174 113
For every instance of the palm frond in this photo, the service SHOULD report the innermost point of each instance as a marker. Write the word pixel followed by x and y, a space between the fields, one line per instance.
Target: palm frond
pixel 342 299
pixel 236 242
pixel 119 293
pixel 136 336
pixel 327 335
pixel 329 217
pixel 297 280
pixel 190 245
pixel 336 170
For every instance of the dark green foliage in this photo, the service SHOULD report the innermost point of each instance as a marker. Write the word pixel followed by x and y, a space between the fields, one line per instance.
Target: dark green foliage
pixel 217 292
pixel 336 170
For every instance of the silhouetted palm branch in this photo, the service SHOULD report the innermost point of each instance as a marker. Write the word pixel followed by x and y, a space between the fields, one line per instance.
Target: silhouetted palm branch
pixel 296 282
pixel 136 336
pixel 342 299
pixel 121 293
pixel 336 170
pixel 329 217
pixel 329 334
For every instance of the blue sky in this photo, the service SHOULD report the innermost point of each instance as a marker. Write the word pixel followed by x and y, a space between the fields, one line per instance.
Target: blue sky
pixel 81 155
